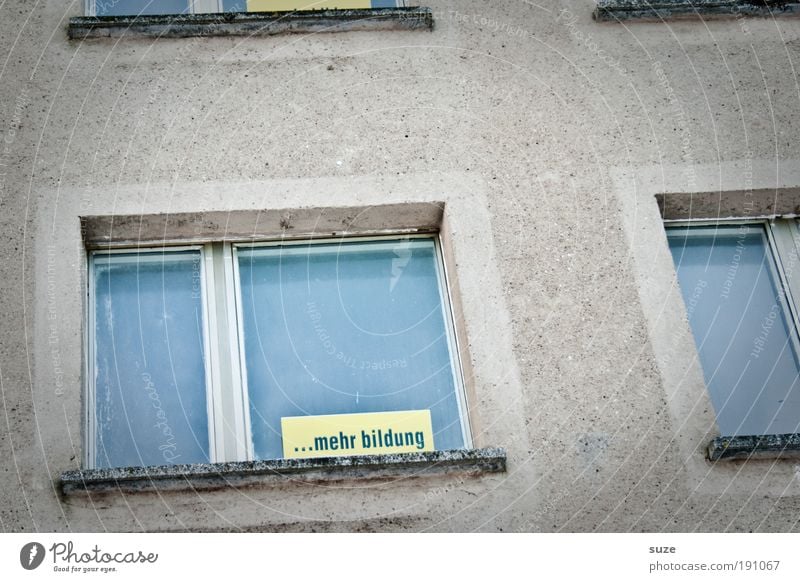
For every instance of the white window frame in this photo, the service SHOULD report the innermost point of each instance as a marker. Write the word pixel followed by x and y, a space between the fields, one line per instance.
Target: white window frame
pixel 228 407
pixel 783 244
pixel 90 408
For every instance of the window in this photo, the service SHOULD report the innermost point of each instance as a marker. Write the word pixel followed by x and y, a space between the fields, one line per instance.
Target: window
pixel 197 353
pixel 739 282
pixel 149 7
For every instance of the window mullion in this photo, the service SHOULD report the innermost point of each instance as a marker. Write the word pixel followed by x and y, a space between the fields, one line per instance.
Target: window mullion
pixel 225 397
pixel 239 397
pixel 213 362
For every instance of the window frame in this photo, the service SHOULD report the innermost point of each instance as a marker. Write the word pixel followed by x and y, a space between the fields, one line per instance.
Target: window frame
pixel 227 396
pixel 782 234
pixel 90 404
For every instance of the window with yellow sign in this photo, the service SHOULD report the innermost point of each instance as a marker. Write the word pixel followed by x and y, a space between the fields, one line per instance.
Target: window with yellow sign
pixel 277 349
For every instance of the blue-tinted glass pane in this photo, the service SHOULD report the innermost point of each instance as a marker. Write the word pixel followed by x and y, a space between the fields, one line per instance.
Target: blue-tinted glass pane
pixel 344 328
pixel 150 386
pixel 234 5
pixel 744 334
pixel 134 7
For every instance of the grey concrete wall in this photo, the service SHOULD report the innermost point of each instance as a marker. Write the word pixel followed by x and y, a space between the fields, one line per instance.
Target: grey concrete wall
pixel 547 135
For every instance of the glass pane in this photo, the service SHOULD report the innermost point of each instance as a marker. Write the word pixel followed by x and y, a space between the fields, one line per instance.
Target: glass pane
pixel 134 7
pixel 344 328
pixel 234 5
pixel 150 385
pixel 745 336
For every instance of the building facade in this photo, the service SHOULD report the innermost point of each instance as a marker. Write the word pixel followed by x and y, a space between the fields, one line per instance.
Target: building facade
pixel 535 172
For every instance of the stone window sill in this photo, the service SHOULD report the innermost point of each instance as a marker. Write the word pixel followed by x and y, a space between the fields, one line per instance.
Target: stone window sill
pixel 778 446
pixel 250 23
pixel 211 476
pixel 616 10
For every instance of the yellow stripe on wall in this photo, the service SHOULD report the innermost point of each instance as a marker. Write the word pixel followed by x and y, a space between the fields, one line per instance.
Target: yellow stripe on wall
pixel 270 5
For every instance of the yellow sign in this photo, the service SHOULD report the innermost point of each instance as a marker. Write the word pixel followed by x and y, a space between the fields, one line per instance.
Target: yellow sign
pixel 338 435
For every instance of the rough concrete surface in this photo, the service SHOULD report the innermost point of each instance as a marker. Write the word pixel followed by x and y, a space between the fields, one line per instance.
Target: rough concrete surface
pixel 540 135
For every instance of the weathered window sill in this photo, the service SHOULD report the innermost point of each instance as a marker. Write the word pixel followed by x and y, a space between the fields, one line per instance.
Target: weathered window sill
pixel 778 446
pixel 230 475
pixel 616 10
pixel 250 23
